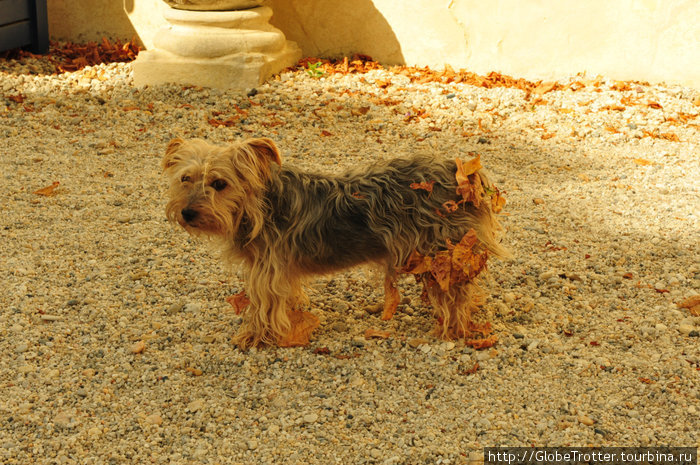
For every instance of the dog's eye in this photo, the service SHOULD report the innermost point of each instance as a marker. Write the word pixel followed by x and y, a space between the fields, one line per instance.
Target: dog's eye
pixel 185 178
pixel 219 184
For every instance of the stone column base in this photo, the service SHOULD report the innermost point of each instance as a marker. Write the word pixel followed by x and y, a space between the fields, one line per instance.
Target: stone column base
pixel 220 49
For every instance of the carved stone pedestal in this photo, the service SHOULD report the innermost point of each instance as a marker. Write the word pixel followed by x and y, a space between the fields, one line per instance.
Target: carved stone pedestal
pixel 222 49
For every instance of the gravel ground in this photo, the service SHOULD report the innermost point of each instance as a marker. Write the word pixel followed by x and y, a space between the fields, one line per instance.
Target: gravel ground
pixel 115 333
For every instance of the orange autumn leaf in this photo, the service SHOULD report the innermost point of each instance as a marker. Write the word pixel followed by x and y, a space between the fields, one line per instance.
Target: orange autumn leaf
pixel 497 202
pixel 450 206
pixel 642 162
pixel 238 301
pixel 482 328
pixel 391 298
pixel 469 186
pixel 464 260
pixel 441 269
pixel 19 98
pixel 692 303
pixel 471 370
pixel 427 186
pixel 303 324
pixel 482 343
pixel 48 191
pixel 416 264
pixel 372 333
pixel 465 169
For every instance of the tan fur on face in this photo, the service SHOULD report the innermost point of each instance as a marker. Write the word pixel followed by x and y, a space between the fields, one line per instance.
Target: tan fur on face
pixel 195 166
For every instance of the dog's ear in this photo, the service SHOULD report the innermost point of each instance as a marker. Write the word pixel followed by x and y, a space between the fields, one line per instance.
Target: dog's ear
pixel 169 158
pixel 265 149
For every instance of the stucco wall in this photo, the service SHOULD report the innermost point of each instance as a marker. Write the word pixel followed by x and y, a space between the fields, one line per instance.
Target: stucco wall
pixel 654 40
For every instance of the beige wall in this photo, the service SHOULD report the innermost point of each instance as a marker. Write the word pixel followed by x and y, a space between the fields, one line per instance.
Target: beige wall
pixel 654 40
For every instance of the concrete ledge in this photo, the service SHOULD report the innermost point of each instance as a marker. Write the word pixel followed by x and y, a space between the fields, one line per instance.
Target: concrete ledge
pixel 651 40
pixel 238 71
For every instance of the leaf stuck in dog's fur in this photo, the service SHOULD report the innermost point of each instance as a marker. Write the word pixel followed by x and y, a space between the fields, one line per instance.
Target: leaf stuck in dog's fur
pixel 238 301
pixel 391 298
pixel 497 201
pixel 441 269
pixel 427 186
pixel 467 263
pixel 303 324
pixel 48 191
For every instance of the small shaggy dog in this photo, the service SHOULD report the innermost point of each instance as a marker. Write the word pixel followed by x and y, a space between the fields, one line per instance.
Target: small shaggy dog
pixel 421 215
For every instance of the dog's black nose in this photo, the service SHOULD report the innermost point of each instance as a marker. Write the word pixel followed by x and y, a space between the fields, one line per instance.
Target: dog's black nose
pixel 189 214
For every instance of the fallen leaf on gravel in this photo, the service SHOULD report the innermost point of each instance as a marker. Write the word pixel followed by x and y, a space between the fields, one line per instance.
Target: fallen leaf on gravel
pixel 137 347
pixel 669 136
pixel 642 162
pixel 654 105
pixel 19 98
pixel 544 87
pixel 303 324
pixel 481 343
pixel 372 333
pixel 238 301
pixel 417 341
pixel 471 370
pixel 692 303
pixel 48 191
pixel 359 111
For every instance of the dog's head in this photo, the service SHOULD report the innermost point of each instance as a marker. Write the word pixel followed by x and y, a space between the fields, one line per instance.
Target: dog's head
pixel 212 188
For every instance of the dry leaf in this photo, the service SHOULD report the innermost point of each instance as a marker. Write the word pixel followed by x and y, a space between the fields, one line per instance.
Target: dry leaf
pixel 441 269
pixel 544 87
pixel 427 186
pixel 194 371
pixel 471 370
pixel 391 298
pixel 642 162
pixel 372 333
pixel 137 347
pixel 303 324
pixel 465 169
pixel 48 191
pixel 692 303
pixel 465 260
pixel 481 343
pixel 238 301
pixel 326 133
pixel 416 264
pixel 359 111
pixel 19 98
pixel 450 206
pixel 497 202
